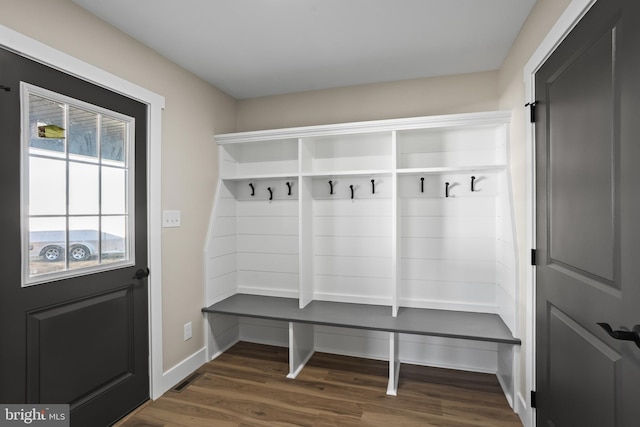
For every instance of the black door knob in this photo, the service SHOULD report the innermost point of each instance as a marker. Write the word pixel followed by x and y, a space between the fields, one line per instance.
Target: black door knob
pixel 141 274
pixel 633 335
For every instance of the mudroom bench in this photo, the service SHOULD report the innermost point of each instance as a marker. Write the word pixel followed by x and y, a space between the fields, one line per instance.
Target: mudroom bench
pixel 416 321
pixel 389 239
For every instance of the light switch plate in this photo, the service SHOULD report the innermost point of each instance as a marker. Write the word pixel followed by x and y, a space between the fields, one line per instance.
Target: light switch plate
pixel 171 219
pixel 187 331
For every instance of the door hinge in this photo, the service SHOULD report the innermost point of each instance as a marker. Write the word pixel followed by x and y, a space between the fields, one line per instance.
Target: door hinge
pixel 532 110
pixel 533 257
pixel 533 399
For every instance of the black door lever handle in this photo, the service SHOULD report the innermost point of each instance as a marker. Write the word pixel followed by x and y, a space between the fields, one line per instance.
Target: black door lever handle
pixel 623 335
pixel 141 274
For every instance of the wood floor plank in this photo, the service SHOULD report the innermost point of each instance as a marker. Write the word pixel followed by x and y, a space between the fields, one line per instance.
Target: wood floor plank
pixel 247 387
pixel 282 393
pixel 251 406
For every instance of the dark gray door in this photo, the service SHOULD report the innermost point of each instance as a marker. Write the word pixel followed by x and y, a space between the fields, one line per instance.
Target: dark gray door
pixel 588 213
pixel 79 340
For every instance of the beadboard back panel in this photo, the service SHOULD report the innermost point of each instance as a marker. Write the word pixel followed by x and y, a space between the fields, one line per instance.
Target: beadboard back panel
pixel 222 249
pixel 352 255
pixel 448 241
pixel 267 242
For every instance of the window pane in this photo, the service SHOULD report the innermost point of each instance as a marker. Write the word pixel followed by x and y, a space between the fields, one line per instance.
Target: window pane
pixel 83 241
pixel 46 124
pixel 113 140
pixel 82 134
pixel 84 189
pixel 76 217
pixel 47 186
pixel 114 238
pixel 47 245
pixel 113 191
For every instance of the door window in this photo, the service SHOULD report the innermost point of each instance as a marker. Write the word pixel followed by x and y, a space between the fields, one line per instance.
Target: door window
pixel 77 187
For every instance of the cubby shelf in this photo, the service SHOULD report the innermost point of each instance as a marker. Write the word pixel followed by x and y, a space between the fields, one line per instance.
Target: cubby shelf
pixel 349 173
pixel 441 170
pixel 259 177
pixel 432 235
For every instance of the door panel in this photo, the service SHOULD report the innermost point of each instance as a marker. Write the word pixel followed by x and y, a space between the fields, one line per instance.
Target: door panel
pixel 81 340
pixel 587 222
pixel 576 187
pixel 572 385
pixel 54 358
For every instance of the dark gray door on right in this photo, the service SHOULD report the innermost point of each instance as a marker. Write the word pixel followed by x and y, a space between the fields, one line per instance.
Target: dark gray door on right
pixel 588 223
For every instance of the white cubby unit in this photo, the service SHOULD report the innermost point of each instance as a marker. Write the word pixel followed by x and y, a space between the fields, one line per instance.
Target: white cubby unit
pixel 389 239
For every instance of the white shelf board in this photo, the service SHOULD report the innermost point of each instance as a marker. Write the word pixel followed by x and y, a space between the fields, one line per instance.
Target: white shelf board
pixel 348 173
pixel 449 169
pixel 260 176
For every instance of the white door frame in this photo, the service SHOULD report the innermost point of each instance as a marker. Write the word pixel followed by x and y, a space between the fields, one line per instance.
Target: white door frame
pixel 54 58
pixel 567 21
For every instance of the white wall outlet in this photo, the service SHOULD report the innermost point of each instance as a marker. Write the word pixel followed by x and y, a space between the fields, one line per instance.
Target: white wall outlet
pixel 171 219
pixel 187 331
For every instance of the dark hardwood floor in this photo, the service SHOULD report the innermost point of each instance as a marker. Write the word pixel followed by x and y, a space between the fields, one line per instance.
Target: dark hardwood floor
pixel 247 386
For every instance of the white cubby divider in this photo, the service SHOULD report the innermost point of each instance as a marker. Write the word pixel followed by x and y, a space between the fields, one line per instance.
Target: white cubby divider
pixel 375 219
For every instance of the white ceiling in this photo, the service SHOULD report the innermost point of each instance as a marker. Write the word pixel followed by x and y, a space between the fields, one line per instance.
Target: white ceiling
pixel 252 48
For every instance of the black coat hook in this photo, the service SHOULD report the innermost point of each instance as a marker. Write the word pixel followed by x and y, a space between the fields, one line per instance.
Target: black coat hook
pixel 351 187
pixel 422 185
pixel 5 88
pixel 373 186
pixel 473 183
pixel 270 193
pixel 253 190
pixel 330 187
pixel 446 189
pixel 289 185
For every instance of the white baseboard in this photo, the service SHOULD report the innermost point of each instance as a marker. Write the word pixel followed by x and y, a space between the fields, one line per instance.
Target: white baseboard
pixel 223 350
pixel 524 412
pixel 180 371
pixel 507 391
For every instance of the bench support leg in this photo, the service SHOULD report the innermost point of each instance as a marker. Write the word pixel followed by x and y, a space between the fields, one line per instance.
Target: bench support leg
pixel 394 364
pixel 301 347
